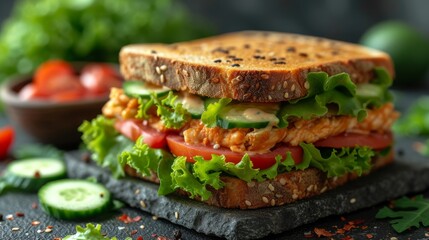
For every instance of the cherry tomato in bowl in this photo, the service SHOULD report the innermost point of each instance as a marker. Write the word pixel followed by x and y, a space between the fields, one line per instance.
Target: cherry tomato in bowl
pixel 7 135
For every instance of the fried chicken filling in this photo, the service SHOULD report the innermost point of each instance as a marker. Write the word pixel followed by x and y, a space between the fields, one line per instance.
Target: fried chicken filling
pixel 262 140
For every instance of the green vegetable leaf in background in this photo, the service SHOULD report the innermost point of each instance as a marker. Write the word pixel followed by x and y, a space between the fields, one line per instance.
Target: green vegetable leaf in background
pixel 416 120
pixel 407 213
pixel 90 232
pixel 88 30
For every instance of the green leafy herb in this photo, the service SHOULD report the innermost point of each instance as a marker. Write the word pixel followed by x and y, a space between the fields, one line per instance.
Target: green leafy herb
pixel 407 213
pixel 105 143
pixel 90 232
pixel 88 30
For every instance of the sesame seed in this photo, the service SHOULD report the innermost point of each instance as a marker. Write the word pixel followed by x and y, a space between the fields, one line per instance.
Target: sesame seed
pixel 162 78
pixel 294 196
pixel 282 181
pixel 248 203
pixel 235 65
pixel 265 199
pixel 216 146
pixel 39 231
pixel 158 70
pixel 273 202
pixel 310 188
pixel 154 217
pixel 121 228
pixel 141 227
pixel 292 88
pixel 285 83
pixel 176 215
pixel 163 68
pixel 217 61
pixel 230 56
pixel 280 62
pixel 137 191
pixel 324 189
pixel 9 217
pixel 48 230
pixel 353 200
pixel 271 187
pixel 393 238
pixel 291 49
pixel 185 73
pixel 35 223
pixel 307 85
pixel 273 59
pixel 237 59
pixel 153 51
pixel 303 54
pixel 286 95
pixel 265 76
pixel 246 46
pixel 278 195
pixel 269 97
pixel 143 204
pixel 15 228
pixel 251 184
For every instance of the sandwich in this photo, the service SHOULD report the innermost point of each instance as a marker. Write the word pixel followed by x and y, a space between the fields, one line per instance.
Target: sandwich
pixel 247 119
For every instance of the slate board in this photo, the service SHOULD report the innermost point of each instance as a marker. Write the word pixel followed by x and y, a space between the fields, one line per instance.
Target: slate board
pixel 407 175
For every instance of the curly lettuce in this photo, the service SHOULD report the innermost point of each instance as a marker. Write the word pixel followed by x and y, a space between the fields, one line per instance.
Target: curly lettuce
pixel 209 117
pixel 90 232
pixel 105 143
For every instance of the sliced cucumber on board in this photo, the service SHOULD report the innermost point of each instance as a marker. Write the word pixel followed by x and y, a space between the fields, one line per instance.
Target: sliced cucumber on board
pixel 31 174
pixel 74 199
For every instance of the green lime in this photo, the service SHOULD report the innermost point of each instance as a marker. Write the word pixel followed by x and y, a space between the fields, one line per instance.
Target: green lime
pixel 408 48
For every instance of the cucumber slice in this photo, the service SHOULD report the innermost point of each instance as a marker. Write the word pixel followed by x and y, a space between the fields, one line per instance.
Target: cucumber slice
pixel 31 174
pixel 369 90
pixel 74 199
pixel 144 90
pixel 193 104
pixel 248 115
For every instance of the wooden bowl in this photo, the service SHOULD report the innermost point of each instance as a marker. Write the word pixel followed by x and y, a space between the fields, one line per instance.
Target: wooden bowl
pixel 48 122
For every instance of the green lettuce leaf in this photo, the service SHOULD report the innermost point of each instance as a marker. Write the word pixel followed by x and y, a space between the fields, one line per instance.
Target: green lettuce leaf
pixel 90 232
pixel 146 160
pixel 338 95
pixel 337 162
pixel 171 112
pixel 209 116
pixel 105 143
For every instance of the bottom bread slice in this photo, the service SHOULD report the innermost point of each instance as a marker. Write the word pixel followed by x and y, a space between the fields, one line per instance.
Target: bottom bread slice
pixel 283 189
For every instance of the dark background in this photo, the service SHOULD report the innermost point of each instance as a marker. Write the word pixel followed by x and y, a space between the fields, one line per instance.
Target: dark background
pixel 338 19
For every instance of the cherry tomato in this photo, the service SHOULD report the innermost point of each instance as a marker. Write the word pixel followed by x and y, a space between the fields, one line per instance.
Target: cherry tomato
pixel 373 140
pixel 98 78
pixel 54 76
pixel 179 147
pixel 133 129
pixel 29 92
pixel 7 135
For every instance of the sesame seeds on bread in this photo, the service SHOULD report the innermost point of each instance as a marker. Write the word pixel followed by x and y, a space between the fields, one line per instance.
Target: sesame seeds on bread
pixel 249 66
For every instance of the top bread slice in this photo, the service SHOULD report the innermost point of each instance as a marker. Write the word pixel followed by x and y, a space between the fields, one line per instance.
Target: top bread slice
pixel 249 66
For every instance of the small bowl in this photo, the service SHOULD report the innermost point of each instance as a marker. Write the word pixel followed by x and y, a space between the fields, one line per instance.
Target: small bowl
pixel 54 123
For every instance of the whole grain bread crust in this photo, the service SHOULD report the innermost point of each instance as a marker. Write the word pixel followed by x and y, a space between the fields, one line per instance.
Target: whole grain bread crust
pixel 249 66
pixel 285 188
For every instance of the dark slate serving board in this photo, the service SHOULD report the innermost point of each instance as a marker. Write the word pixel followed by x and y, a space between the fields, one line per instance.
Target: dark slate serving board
pixel 407 175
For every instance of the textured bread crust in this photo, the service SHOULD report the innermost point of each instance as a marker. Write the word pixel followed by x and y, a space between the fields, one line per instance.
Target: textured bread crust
pixel 249 66
pixel 285 188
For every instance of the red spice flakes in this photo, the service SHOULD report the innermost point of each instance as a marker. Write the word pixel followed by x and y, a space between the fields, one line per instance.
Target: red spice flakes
pixel 322 232
pixel 161 238
pixel 369 236
pixel 49 227
pixel 133 232
pixel 34 205
pixel 347 238
pixel 127 219
pixel 19 214
pixel 343 219
pixel 139 238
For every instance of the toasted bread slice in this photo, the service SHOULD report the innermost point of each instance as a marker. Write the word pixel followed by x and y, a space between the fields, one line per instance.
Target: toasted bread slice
pixel 249 66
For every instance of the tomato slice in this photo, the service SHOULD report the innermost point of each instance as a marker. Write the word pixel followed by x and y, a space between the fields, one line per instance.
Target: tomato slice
pixel 53 76
pixel 133 129
pixel 179 147
pixel 372 140
pixel 99 78
pixel 6 138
